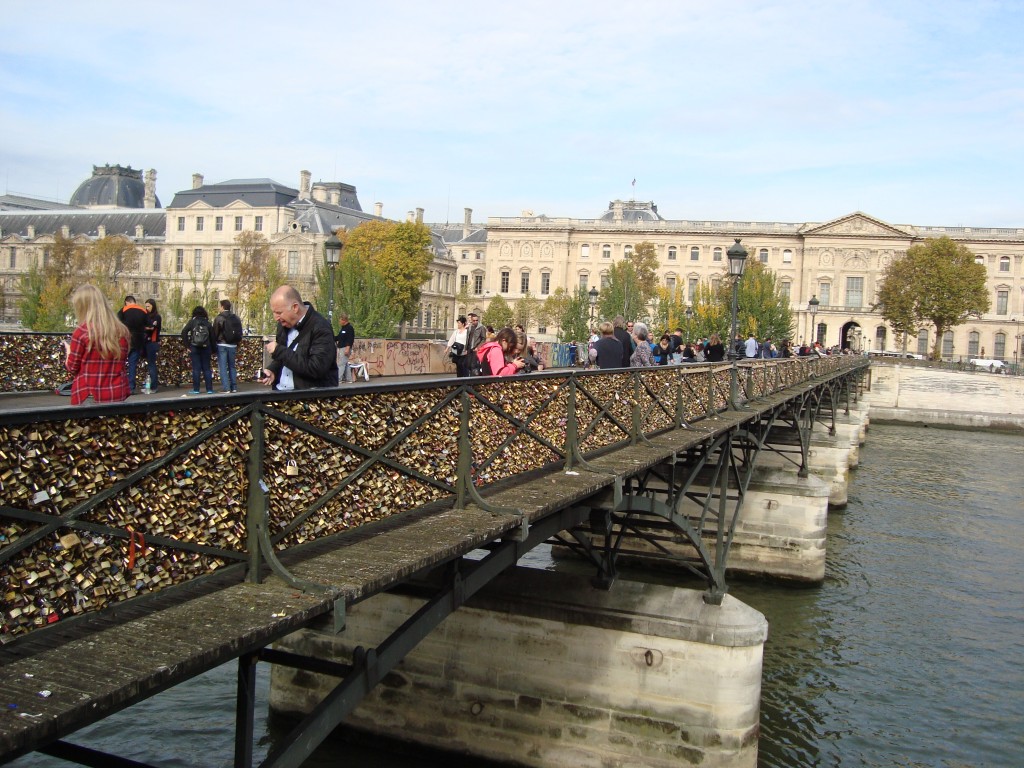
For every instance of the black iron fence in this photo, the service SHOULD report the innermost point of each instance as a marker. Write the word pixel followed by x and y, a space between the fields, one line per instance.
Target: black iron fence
pixel 105 503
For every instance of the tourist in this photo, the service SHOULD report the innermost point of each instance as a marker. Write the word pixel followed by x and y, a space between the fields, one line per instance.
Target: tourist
pixel 662 352
pixel 607 351
pixel 624 338
pixel 303 353
pixel 641 357
pixel 197 335
pixel 475 338
pixel 134 318
pixel 531 362
pixel 494 354
pixel 458 348
pixel 227 335
pixel 345 339
pixel 154 324
pixel 98 350
pixel 716 349
pixel 751 347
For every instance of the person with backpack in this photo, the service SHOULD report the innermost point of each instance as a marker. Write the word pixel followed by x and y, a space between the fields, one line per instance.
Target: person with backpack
pixel 492 355
pixel 134 318
pixel 197 338
pixel 227 335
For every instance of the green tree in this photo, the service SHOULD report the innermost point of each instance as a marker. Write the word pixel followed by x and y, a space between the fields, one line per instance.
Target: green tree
pixel 762 309
pixel 936 282
pixel 462 300
pixel 553 309
pixel 106 262
pixel 623 294
pixel 365 295
pixel 253 263
pixel 526 311
pixel 31 286
pixel 644 259
pixel 710 313
pixel 498 314
pixel 257 302
pixel 574 321
pixel 401 252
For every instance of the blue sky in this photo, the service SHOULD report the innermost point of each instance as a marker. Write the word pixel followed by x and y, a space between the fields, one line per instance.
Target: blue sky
pixel 726 110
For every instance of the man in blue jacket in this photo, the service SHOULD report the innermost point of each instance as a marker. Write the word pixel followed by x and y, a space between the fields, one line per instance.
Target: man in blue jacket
pixel 303 355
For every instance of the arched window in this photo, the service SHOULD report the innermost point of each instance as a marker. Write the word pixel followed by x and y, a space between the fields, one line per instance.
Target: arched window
pixel 999 351
pixel 606 251
pixel 694 253
pixel 672 253
pixel 787 256
pixel 763 255
pixel 585 251
pixel 1004 263
pixel 973 343
pixel 627 250
pixel 880 334
pixel 947 344
pixel 717 255
pixel 979 260
pixel 821 333
pixel 922 343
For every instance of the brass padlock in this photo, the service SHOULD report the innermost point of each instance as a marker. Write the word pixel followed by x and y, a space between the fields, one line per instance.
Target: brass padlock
pixel 292 470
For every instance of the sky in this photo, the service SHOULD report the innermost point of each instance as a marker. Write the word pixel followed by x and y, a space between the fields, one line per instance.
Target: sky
pixel 746 110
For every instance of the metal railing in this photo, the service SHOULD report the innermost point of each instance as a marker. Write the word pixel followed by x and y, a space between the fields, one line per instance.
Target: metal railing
pixel 105 503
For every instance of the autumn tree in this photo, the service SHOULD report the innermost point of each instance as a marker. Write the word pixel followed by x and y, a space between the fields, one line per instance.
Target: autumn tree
pixel 462 299
pixel 623 293
pixel 105 263
pixel 498 314
pixel 762 310
pixel 526 311
pixel 400 251
pixel 365 295
pixel 256 305
pixel 253 260
pixel 936 282
pixel 554 307
pixel 574 320
pixel 644 259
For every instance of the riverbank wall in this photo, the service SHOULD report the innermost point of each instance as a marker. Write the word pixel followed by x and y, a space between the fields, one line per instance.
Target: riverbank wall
pixel 908 394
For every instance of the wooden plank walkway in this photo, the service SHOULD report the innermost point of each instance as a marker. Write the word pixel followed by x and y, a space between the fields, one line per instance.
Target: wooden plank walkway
pixel 102 672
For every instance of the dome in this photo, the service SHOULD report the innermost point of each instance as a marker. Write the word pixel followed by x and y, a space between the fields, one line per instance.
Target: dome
pixel 112 186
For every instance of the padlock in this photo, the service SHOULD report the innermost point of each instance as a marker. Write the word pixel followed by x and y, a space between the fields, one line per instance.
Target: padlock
pixel 292 470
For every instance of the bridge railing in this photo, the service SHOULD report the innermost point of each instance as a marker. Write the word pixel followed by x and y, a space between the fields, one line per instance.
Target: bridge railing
pixel 104 504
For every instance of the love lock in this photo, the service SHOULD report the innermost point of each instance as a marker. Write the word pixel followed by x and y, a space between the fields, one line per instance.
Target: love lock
pixel 292 469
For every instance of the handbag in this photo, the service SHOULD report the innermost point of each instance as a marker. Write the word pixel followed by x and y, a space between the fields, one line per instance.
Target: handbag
pixel 458 349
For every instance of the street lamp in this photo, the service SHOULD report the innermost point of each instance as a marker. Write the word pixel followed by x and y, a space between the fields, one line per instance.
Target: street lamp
pixel 332 255
pixel 1016 342
pixel 593 294
pixel 737 261
pixel 812 307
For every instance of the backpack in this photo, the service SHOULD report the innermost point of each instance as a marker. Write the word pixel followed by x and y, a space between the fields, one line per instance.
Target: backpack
pixel 199 336
pixel 231 332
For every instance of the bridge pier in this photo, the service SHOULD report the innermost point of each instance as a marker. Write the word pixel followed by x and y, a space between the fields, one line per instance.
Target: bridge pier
pixel 541 669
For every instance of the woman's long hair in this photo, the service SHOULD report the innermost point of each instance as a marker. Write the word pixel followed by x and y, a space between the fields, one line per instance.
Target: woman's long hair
pixel 104 329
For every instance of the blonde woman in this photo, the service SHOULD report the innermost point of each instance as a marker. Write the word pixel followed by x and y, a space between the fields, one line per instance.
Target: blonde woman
pixel 97 354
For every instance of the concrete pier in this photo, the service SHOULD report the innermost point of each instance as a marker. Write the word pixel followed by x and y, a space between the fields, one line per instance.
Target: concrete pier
pixel 543 670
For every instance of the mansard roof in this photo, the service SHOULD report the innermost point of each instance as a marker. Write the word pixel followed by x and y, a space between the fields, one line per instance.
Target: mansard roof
pixel 452 234
pixel 259 193
pixel 121 221
pixel 25 203
pixel 112 186
pixel 859 225
pixel 323 218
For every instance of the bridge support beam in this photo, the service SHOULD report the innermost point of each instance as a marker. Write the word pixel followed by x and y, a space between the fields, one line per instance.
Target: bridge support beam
pixel 541 669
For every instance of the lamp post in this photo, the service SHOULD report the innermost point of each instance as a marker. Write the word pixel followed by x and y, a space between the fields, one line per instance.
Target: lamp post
pixel 1016 343
pixel 689 323
pixel 737 261
pixel 593 294
pixel 812 307
pixel 332 255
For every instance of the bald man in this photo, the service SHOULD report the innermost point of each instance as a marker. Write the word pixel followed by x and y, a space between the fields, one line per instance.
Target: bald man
pixel 303 355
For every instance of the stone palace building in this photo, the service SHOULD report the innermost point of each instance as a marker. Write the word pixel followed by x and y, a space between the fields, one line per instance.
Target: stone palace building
pixel 839 262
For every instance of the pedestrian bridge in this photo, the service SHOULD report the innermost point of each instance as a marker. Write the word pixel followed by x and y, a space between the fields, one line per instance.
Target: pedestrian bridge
pixel 213 527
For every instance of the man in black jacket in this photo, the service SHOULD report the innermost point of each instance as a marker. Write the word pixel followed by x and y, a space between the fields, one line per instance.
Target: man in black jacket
pixel 134 318
pixel 476 335
pixel 625 339
pixel 344 340
pixel 303 356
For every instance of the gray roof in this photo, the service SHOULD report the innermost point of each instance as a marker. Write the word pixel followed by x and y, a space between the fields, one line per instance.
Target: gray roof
pixel 452 234
pixel 117 221
pixel 24 203
pixel 112 186
pixel 259 193
pixel 632 210
pixel 324 218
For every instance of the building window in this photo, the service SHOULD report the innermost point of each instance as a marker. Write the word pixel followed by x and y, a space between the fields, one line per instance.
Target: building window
pixel 465 255
pixel 716 254
pixel 627 251
pixel 179 260
pixel 478 284
pixel 1002 301
pixel 197 262
pixel 824 294
pixel 763 255
pixel 479 255
pixel 821 333
pixel 670 285
pixel 181 223
pixel 156 260
pixel 979 260
pixel 1004 263
pixel 973 343
pixel 218 223
pixel 604 280
pixel 427 315
pixel 236 260
pixel 787 256
pixel 786 290
pixel 153 288
pixel 947 344
pixel 258 226
pixel 463 282
pixel 922 342
pixel 584 280
pixel 854 291
pixel 545 283
pixel 293 262
pixel 46 257
pixel 216 261
pixel 14 256
pixel 671 253
pixel 585 251
pixel 999 352
pixel 606 251
pixel 524 282
pixel 199 223
pixel 504 281
pixel 880 338
pixel 238 223
pixel 695 253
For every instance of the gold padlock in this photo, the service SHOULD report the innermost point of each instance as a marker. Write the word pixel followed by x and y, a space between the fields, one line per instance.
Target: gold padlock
pixel 292 470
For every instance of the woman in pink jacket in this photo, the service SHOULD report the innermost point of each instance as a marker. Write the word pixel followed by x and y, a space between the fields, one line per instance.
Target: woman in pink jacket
pixel 492 355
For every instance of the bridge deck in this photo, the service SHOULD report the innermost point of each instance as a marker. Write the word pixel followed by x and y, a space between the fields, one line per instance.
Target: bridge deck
pixel 102 671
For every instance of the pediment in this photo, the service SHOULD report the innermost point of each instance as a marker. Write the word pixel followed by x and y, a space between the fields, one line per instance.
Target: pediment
pixel 857 225
pixel 198 204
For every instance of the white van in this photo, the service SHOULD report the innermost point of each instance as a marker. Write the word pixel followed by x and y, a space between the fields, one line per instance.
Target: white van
pixel 989 365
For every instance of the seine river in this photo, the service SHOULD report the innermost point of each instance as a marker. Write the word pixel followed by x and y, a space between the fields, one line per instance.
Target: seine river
pixel 911 653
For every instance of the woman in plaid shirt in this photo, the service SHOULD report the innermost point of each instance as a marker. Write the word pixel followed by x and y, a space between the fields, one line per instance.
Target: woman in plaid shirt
pixel 98 350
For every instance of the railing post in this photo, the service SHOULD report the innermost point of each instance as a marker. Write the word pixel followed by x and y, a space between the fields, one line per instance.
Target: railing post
pixel 636 426
pixel 256 506
pixel 465 466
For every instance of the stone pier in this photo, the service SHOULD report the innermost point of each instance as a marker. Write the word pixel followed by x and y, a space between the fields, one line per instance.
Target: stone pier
pixel 541 669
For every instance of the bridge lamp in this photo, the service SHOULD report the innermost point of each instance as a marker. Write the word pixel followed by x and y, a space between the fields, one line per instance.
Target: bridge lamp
pixel 689 323
pixel 812 307
pixel 737 262
pixel 593 294
pixel 332 255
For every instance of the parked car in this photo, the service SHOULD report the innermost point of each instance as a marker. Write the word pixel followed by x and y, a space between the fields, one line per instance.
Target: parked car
pixel 991 365
pixel 902 355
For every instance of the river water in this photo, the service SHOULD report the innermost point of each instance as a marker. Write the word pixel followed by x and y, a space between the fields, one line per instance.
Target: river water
pixel 910 654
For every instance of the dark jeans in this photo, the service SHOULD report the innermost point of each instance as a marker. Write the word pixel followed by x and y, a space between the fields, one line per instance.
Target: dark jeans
pixel 134 356
pixel 201 365
pixel 226 365
pixel 152 347
pixel 462 366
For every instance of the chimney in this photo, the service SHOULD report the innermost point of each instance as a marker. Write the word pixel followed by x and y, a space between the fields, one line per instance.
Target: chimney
pixel 31 232
pixel 378 209
pixel 197 180
pixel 410 216
pixel 419 215
pixel 65 231
pixel 335 196
pixel 304 179
pixel 320 193
pixel 149 200
pixel 617 210
pixel 139 232
pixel 467 222
pixel 101 231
